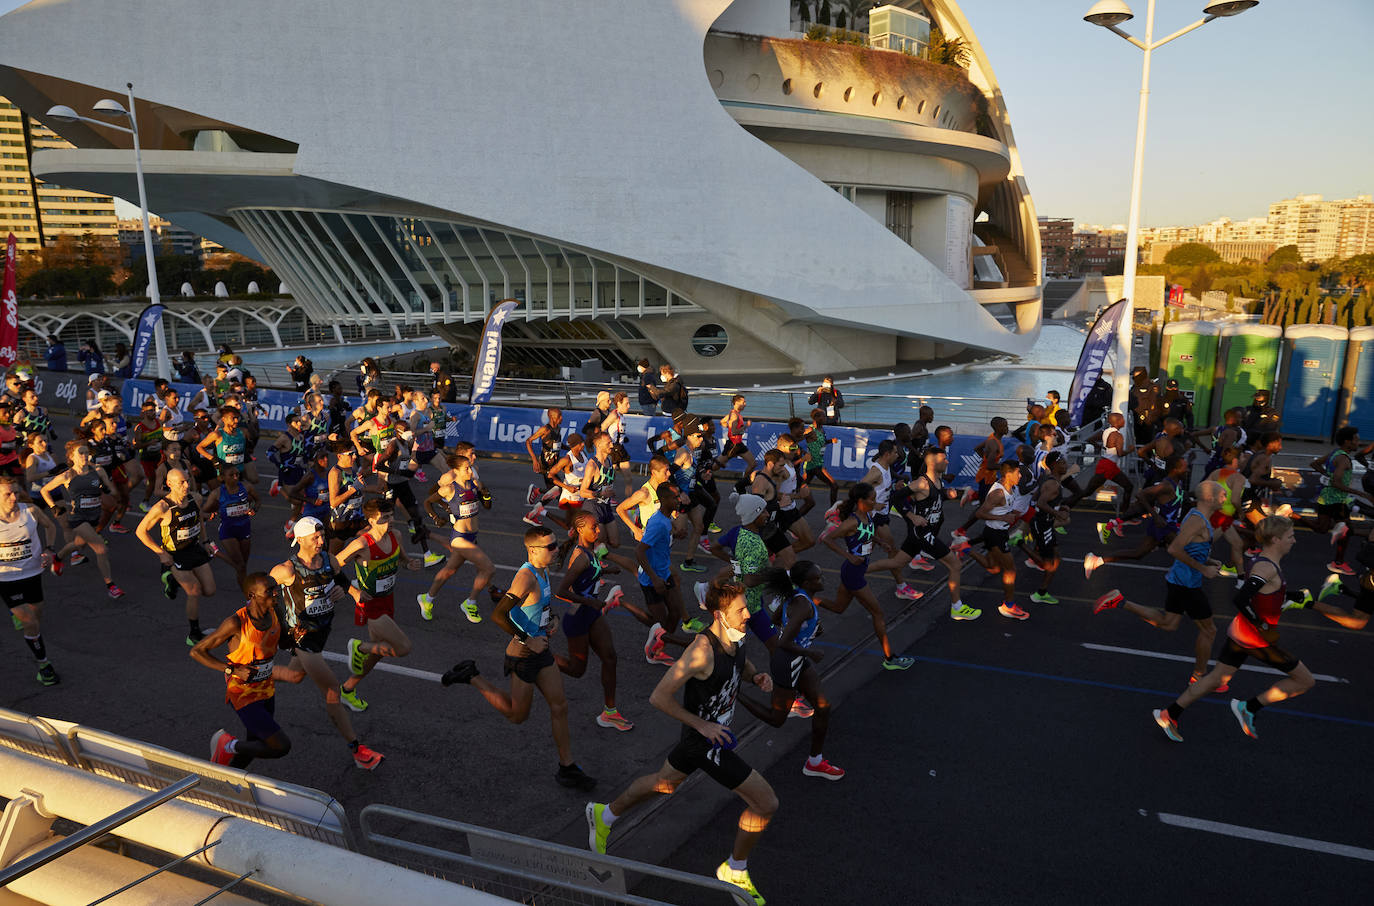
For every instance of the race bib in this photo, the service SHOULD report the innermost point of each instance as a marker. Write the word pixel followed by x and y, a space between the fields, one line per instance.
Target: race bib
pixel 866 549
pixel 545 618
pixel 233 458
pixel 830 411
pixel 319 603
pixel 467 510
pixel 87 502
pixel 12 551
pixel 188 533
pixel 385 583
pixel 734 565
pixel 236 510
pixel 259 671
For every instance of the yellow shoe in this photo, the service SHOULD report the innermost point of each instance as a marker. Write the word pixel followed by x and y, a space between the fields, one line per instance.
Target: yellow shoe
pixel 741 880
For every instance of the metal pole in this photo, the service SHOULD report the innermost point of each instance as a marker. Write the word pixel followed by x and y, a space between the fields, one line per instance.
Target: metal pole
pixel 164 369
pixel 1121 385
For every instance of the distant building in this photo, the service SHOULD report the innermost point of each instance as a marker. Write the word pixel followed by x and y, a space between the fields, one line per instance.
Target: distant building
pixel 1355 233
pixel 1056 242
pixel 167 238
pixel 1231 251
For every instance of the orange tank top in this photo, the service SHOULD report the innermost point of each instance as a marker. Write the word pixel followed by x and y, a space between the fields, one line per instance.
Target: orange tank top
pixel 255 650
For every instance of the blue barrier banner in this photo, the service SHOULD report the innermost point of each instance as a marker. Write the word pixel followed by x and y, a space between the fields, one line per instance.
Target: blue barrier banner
pixel 147 322
pixel 504 429
pixel 489 352
pixel 1094 355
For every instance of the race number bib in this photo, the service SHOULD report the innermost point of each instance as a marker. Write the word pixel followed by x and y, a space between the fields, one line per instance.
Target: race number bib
pixel 189 533
pixel 829 411
pixel 13 551
pixel 385 583
pixel 87 502
pixel 866 549
pixel 236 510
pixel 467 510
pixel 233 458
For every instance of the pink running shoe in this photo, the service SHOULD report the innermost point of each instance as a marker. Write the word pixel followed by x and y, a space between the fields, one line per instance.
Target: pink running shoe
pixel 1110 601
pixel 825 770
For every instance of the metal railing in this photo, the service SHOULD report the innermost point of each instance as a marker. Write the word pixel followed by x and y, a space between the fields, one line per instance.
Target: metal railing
pixel 536 871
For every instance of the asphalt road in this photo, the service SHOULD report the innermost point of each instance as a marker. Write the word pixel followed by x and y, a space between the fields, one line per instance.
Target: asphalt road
pixel 1011 764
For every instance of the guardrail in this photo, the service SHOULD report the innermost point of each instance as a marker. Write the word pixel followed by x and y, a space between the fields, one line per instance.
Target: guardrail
pixel 536 871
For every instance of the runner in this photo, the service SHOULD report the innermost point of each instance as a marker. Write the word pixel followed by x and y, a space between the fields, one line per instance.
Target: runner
pixel 524 613
pixel 643 503
pixel 1108 468
pixel 816 444
pixel 793 662
pixel 598 480
pixel 662 596
pixel 346 489
pixel 378 552
pixel 1362 592
pixel 566 475
pixel 735 424
pixel 39 466
pixel 309 597
pixel 880 477
pixel 148 440
pixel 1234 485
pixel 709 673
pixel 310 495
pixel 991 451
pixel 764 485
pixel 856 528
pixel 1333 503
pixel 83 482
pixel 227 445
pixel 172 458
pixel 998 513
pixel 180 548
pixel 1162 504
pixel 1051 514
pixel 454 503
pixel 235 503
pixel 1252 634
pixel 23 557
pixel 551 450
pixel 1191 549
pixel 252 634
pixel 614 426
pixel 288 452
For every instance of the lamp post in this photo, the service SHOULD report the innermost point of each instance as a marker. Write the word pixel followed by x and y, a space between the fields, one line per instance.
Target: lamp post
pixel 116 110
pixel 1109 14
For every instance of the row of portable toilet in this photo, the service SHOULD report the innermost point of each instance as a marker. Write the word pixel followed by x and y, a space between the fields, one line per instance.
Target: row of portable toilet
pixel 1320 376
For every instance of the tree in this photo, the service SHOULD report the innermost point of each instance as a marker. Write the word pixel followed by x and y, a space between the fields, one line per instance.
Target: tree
pixel 1191 254
pixel 855 9
pixel 803 10
pixel 840 20
pixel 823 17
pixel 1285 258
pixel 948 51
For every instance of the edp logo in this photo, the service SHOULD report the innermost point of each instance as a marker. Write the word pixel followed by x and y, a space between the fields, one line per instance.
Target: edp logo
pixel 65 391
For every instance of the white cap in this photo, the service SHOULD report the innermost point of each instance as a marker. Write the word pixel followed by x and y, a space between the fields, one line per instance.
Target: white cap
pixel 306 526
pixel 105 394
pixel 92 378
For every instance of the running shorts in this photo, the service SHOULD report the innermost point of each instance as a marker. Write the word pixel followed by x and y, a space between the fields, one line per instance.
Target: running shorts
pixel 996 539
pixel 527 668
pixel 1109 470
pixel 315 637
pixel 1191 602
pixel 786 668
pixel 578 620
pixel 854 576
pixel 380 606
pixel 923 542
pixel 259 718
pixel 735 448
pixel 1234 655
pixel 774 538
pixel 242 531
pixel 652 597
pixel 188 558
pixel 19 592
pixel 694 752
pixel 762 624
pixel 1336 512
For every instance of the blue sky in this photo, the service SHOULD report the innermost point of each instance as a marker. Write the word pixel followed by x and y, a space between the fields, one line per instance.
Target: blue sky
pixel 1243 111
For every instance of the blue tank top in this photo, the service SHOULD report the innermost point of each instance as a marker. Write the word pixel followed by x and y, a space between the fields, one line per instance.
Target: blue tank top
pixel 807 634
pixel 317 497
pixel 533 619
pixel 860 543
pixel 1172 510
pixel 233 508
pixel 585 584
pixel 1182 574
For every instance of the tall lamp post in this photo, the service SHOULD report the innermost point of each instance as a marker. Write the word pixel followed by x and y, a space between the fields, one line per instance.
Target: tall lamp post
pixel 115 110
pixel 1110 14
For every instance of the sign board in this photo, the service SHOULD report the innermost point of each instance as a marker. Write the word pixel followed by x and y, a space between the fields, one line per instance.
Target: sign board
pixel 1185 357
pixel 1311 363
pixel 585 871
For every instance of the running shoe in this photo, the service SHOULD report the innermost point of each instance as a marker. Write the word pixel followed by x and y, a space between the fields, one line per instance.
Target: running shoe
pixel 1104 531
pixel 366 758
pixel 898 662
pixel 461 672
pixel 1305 600
pixel 741 880
pixel 532 495
pixel 77 558
pixel 699 589
pixel 433 559
pixel 969 495
pixel 1227 571
pixel 661 656
pixel 959 545
pixel 47 675
pixel 1011 611
pixel 1284 509
pixel 194 636
pixel 691 566
pixel 1043 597
pixel 612 719
pixel 1091 562
pixel 958 536
pixel 905 590
pixel 704 544
pixel 713 529
pixel 119 528
pixel 421 477
pixel 352 700
pixel 613 598
pixel 532 517
pixel 1060 530
pixel 1110 601
pixel 1253 552
pixel 964 612
pixel 597 828
pixel 289 530
pixel 113 590
pixel 56 566
pixel 800 708
pixel 1345 569
pixel 695 625
pixel 832 515
pixel 921 563
pixel 274 488
pixel 18 623
pixel 144 506
pixel 426 605
pixel 1339 532
pixel 469 608
pixel 219 747
pixel 356 658
pixel 573 777
pixel 169 585
pixel 1244 718
pixel 1168 725
pixel 825 770
pixel 654 642
pixel 1331 586
pixel 1031 564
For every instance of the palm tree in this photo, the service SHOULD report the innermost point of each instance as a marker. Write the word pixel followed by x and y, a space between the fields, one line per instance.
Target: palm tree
pixel 855 9
pixel 804 10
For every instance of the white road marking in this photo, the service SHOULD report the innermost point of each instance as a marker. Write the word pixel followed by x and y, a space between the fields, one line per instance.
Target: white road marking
pixel 1250 833
pixel 1153 569
pixel 1159 655
pixel 388 667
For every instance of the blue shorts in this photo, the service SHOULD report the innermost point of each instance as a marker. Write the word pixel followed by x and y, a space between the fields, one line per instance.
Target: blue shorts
pixel 242 531
pixel 578 621
pixel 762 624
pixel 259 718
pixel 854 576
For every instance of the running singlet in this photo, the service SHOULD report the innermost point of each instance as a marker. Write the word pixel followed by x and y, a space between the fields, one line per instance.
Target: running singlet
pixel 35 421
pixel 1171 510
pixel 649 505
pixel 464 502
pixel 352 508
pixel 377 572
pixel 85 490
pixel 1182 574
pixel 1000 513
pixel 317 585
pixel 183 530
pixel 316 496
pixel 1331 495
pixel 860 542
pixel 585 583
pixel 713 699
pixel 1267 605
pixel 255 650
pixel 931 509
pixel 229 448
pixel 21 553
pixel 573 476
pixel 235 510
pixel 807 633
pixel 533 619
pixel 815 448
pixel 149 442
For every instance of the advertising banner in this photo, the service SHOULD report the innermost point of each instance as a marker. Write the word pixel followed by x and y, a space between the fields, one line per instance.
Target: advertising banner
pixel 489 352
pixel 143 339
pixel 9 299
pixel 1096 345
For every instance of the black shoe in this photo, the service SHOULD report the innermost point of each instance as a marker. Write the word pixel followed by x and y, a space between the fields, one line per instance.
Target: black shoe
pixel 169 585
pixel 573 777
pixel 462 672
pixel 495 593
pixel 48 676
pixel 194 636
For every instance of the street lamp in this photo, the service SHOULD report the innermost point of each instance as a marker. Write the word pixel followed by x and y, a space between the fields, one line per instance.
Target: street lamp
pixel 115 110
pixel 1109 14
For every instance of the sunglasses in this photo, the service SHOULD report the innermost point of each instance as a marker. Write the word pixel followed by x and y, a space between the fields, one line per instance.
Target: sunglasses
pixel 551 546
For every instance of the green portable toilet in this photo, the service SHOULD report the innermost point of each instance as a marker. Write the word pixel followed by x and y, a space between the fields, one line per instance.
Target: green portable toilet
pixel 1188 354
pixel 1247 360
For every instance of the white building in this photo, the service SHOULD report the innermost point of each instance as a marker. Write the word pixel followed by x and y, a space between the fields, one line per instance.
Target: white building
pixel 635 173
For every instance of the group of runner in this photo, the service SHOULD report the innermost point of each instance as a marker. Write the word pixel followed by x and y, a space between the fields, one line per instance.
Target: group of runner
pixel 348 474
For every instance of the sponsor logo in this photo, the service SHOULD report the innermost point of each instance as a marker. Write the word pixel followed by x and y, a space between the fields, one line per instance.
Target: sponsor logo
pixel 1185 358
pixel 65 391
pixel 1247 360
pixel 1311 363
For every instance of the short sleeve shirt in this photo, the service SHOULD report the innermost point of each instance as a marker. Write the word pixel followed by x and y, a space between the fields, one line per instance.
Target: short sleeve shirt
pixel 752 556
pixel 658 537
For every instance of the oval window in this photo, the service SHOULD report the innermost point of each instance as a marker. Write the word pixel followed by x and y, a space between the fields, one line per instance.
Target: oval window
pixel 710 340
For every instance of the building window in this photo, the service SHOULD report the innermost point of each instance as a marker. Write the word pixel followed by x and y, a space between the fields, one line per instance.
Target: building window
pixel 710 340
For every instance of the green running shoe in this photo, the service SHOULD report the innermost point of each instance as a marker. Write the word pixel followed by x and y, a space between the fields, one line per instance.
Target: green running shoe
pixel 694 626
pixel 964 612
pixel 356 657
pixel 426 605
pixel 1043 597
pixel 1227 571
pixel 352 700
pixel 1060 530
pixel 18 623
pixel 713 528
pixel 898 662
pixel 597 828
pixel 1104 531
pixel 741 880
pixel 469 608
pixel 1330 587
pixel 692 566
pixel 47 675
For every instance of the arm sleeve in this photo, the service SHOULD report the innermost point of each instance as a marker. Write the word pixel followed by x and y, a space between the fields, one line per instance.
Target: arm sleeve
pixel 1245 595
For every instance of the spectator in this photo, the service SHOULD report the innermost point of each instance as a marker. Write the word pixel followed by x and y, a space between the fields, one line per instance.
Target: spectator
pixel 1261 417
pixel 1052 408
pixel 224 353
pixel 1177 405
pixel 122 366
pixel 443 383
pixel 369 376
pixel 829 400
pixel 648 383
pixel 186 369
pixel 300 371
pixel 57 355
pixel 90 358
pixel 1035 416
pixel 1147 410
pixel 672 393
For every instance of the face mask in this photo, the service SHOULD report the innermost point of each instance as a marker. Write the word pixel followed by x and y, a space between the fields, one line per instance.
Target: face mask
pixel 734 635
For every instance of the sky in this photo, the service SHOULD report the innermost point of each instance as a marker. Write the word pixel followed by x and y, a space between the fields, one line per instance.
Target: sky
pixel 1243 112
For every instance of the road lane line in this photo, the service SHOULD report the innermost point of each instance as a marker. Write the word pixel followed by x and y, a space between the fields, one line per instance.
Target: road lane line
pixel 1153 569
pixel 389 668
pixel 1250 833
pixel 1159 655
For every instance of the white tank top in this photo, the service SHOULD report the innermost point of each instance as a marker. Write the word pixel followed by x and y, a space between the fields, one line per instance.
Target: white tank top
pixel 573 476
pixel 883 490
pixel 1003 509
pixel 45 464
pixel 1108 452
pixel 788 485
pixel 20 550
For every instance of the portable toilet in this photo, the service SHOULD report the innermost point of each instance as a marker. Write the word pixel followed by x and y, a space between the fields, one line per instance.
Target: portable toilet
pixel 1247 361
pixel 1357 386
pixel 1310 381
pixel 1188 354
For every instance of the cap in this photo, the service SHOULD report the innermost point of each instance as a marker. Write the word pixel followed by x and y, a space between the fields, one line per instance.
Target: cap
pixel 91 379
pixel 106 394
pixel 748 507
pixel 306 526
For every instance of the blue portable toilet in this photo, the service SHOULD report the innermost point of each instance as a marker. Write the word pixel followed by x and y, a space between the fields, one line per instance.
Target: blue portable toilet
pixel 1310 381
pixel 1357 386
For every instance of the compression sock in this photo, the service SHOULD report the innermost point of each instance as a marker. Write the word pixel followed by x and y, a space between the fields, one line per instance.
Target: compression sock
pixel 35 643
pixel 194 626
pixel 1254 705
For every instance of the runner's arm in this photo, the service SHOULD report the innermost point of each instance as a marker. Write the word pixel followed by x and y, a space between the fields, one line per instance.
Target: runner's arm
pixel 576 566
pixel 201 651
pixel 144 532
pixel 57 481
pixel 210 439
pixel 1192 531
pixel 696 662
